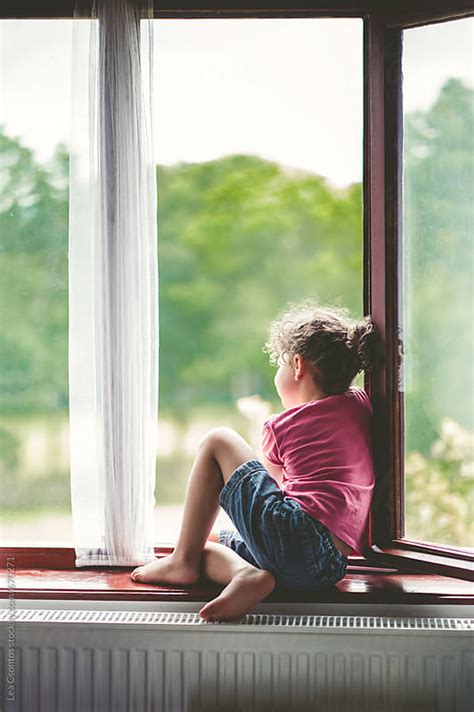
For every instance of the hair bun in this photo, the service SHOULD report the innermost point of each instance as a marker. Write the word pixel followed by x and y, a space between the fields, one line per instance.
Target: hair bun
pixel 364 341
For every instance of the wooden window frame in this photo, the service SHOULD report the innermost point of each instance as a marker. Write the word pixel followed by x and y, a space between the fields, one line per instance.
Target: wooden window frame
pixel 384 23
pixel 382 197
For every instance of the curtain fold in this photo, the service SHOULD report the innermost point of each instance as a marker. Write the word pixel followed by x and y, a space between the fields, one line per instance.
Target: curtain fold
pixel 113 285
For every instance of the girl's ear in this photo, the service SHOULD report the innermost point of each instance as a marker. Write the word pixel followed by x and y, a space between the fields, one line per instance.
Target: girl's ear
pixel 298 366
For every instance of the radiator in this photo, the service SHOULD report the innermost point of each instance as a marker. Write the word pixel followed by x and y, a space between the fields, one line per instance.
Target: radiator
pixel 144 661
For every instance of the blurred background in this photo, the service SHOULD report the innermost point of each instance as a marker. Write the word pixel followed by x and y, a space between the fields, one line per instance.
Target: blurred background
pixel 258 128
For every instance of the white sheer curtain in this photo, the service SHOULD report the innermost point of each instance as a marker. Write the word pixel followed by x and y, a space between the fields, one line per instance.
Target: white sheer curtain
pixel 113 274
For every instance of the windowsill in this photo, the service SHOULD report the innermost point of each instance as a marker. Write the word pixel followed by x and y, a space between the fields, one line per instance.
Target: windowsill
pixel 362 584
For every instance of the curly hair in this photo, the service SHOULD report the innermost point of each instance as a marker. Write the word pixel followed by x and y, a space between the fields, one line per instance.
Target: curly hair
pixel 335 346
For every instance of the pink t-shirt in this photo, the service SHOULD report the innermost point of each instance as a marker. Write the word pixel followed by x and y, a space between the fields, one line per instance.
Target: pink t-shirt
pixel 324 448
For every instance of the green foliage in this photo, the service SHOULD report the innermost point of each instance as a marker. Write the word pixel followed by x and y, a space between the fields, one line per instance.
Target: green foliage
pixel 252 238
pixel 33 280
pixel 438 225
pixel 439 496
pixel 238 238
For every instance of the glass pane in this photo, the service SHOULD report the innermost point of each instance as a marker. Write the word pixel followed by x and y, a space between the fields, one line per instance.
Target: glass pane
pixel 34 133
pixel 438 297
pixel 259 152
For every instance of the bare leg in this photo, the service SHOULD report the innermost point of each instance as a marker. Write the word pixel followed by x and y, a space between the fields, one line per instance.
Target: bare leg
pixel 246 585
pixel 219 454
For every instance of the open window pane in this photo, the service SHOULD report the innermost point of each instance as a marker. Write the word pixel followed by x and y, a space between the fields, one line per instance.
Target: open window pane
pixel 259 152
pixel 438 296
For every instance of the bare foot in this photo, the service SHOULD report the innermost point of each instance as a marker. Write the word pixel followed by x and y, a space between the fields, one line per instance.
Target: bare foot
pixel 246 589
pixel 166 570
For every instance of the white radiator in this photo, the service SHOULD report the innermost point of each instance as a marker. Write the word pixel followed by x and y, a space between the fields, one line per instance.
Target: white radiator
pixel 144 661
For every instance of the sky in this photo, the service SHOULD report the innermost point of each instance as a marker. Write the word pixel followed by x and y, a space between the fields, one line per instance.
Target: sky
pixel 289 90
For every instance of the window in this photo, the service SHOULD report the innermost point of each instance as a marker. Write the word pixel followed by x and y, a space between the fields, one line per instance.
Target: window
pixel 387 267
pixel 419 233
pixel 245 150
pixel 438 316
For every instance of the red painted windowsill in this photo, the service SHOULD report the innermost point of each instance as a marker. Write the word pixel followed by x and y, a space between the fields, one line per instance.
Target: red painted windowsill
pixel 362 584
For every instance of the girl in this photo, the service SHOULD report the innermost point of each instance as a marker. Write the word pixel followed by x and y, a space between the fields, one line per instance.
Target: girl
pixel 301 511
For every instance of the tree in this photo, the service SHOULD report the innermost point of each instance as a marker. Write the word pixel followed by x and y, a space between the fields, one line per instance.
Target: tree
pixel 33 280
pixel 253 238
pixel 438 225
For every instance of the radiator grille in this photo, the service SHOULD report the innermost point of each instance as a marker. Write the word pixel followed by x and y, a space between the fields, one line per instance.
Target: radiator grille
pixel 302 623
pixel 134 660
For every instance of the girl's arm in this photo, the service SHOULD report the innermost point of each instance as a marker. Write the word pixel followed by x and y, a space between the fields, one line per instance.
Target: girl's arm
pixel 275 471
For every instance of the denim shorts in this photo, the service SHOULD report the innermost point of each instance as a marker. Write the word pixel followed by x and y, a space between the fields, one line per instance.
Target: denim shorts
pixel 276 534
